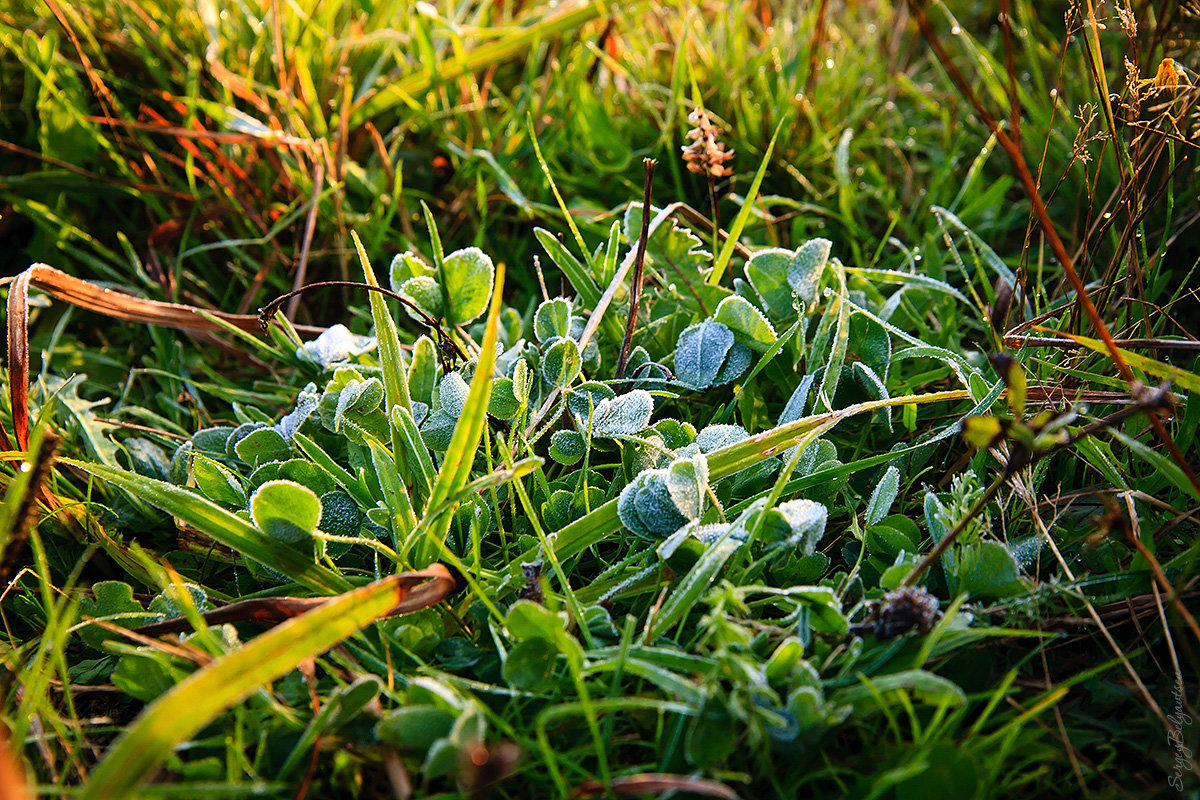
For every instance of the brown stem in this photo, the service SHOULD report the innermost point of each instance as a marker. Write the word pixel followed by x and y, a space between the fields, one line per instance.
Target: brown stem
pixel 635 292
pixel 445 343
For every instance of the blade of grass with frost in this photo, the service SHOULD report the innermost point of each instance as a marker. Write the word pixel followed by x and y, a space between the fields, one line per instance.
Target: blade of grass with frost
pixel 197 700
pixel 395 385
pixel 743 216
pixel 592 528
pixel 223 526
pixel 517 43
pixel 683 597
pixel 456 467
pixel 909 278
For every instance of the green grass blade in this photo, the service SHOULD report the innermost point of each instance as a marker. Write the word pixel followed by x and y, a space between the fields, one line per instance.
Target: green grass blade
pixel 197 700
pixel 743 216
pixel 395 371
pixel 456 468
pixel 453 68
pixel 224 526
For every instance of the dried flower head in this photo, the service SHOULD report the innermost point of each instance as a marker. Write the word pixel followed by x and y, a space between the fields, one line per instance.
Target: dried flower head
pixel 903 610
pixel 1170 75
pixel 706 155
pixel 1128 20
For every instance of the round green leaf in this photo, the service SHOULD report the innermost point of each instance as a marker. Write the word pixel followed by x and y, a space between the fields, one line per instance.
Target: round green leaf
pixel 467 277
pixel 285 511
pixel 561 363
pixel 414 729
pixel 745 321
pixel 530 665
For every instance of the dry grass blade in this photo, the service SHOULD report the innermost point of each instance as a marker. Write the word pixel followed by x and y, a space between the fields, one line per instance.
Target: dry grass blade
pixel 12 782
pixel 119 305
pixel 18 356
pixel 654 783
pixel 1012 147
pixel 109 302
pixel 416 590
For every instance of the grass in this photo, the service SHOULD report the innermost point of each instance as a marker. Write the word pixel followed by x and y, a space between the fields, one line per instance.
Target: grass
pixel 674 552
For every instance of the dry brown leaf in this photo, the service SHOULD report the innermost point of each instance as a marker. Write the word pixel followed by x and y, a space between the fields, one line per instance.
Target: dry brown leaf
pixel 414 591
pixel 110 302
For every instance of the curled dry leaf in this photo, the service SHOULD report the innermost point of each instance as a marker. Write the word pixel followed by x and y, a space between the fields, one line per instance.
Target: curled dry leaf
pixel 414 591
pixel 109 302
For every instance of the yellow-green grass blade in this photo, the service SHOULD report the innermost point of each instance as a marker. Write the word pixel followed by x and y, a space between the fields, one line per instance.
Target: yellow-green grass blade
pixel 456 467
pixel 519 42
pixel 197 700
pixel 1179 377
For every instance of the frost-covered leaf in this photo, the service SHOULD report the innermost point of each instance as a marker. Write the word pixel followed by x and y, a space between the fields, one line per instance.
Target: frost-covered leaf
pixel 424 291
pixel 404 266
pixel 645 506
pixel 357 399
pixel 169 602
pixel 216 482
pixel 567 447
pixel 767 271
pixel 285 511
pixel 468 275
pixel 746 321
pixel 340 514
pixel 147 458
pixel 624 415
pixel 93 430
pixel 714 437
pixel 584 398
pixel 212 441
pixel 735 364
pixel 503 403
pixel 552 318
pixel 807 267
pixel 334 345
pixel 794 409
pixel 306 403
pixel 261 446
pixel 437 431
pixel 687 481
pixel 883 496
pixel 796 524
pixel 303 472
pixel 452 394
pixel 561 362
pixel 701 352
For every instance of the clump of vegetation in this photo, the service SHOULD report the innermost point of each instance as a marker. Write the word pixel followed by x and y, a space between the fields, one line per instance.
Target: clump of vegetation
pixel 874 477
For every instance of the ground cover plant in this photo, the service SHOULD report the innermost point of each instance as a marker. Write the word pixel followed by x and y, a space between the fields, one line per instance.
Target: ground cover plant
pixel 531 401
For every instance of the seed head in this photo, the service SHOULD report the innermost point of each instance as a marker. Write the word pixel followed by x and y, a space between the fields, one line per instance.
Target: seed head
pixel 706 155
